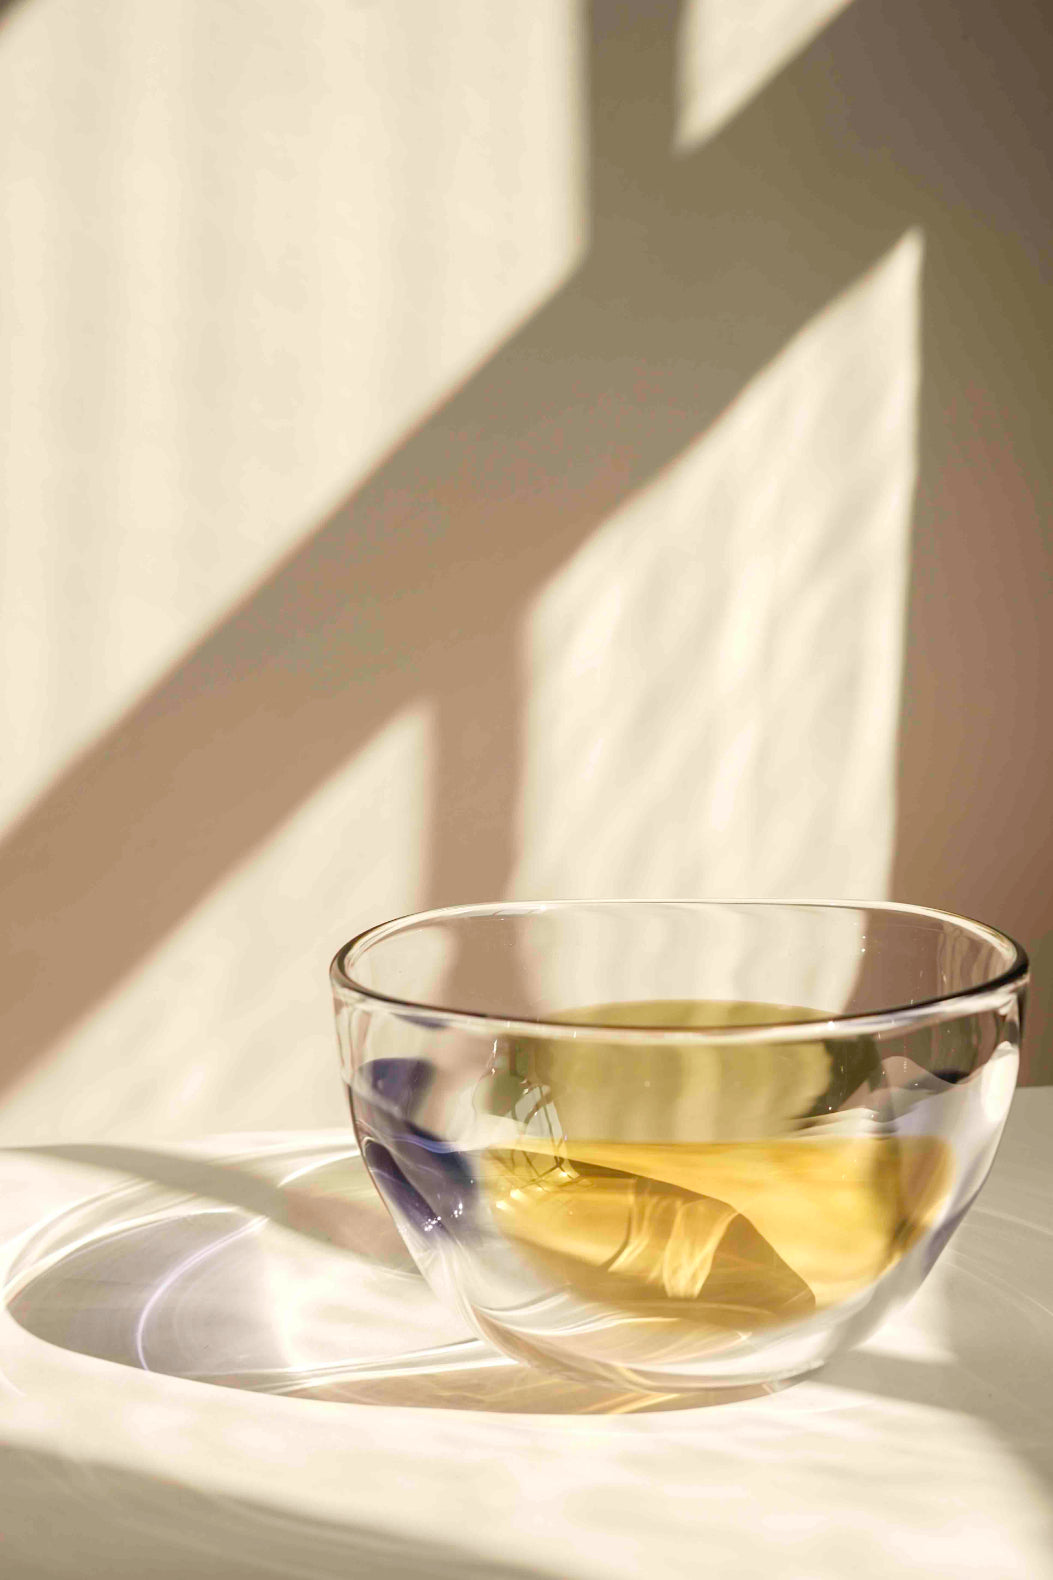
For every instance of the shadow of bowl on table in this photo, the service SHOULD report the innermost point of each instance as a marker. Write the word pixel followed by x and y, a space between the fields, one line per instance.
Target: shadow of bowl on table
pixel 268 1275
pixel 275 1275
pixel 519 1390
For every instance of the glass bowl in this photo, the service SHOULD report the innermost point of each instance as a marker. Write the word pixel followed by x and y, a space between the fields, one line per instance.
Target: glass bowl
pixel 678 1145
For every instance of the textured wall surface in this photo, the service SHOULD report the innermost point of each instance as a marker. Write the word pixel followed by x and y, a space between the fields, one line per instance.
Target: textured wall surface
pixel 525 449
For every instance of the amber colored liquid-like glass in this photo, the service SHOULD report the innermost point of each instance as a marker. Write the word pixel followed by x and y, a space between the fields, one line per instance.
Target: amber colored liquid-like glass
pixel 732 1235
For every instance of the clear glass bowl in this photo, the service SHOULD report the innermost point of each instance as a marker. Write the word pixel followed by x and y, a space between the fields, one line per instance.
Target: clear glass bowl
pixel 678 1145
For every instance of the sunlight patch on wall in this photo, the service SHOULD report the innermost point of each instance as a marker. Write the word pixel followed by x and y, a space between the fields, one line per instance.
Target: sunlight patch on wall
pixel 730 49
pixel 228 1026
pixel 713 680
pixel 247 247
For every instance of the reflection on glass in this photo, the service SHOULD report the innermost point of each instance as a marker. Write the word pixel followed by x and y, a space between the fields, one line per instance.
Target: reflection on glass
pixel 684 1191
pixel 734 1236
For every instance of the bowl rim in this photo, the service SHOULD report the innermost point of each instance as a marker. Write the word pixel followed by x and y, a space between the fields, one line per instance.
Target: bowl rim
pixel 991 994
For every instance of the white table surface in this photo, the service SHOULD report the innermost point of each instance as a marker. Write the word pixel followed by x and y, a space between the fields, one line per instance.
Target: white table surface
pixel 928 1452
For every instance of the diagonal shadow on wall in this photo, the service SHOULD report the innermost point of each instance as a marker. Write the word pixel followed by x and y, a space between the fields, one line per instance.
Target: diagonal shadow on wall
pixel 698 271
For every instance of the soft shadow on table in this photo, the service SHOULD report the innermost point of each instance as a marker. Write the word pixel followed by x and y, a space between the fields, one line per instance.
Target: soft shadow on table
pixel 999 1335
pixel 63 1519
pixel 100 1273
pixel 249 1188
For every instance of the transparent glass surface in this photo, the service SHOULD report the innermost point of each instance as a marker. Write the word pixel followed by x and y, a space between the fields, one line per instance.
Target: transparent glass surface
pixel 678 1145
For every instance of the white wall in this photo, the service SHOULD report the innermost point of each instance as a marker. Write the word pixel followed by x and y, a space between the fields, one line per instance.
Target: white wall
pixel 474 449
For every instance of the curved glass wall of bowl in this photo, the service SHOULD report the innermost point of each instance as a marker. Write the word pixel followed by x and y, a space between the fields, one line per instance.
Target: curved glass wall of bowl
pixel 679 1172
